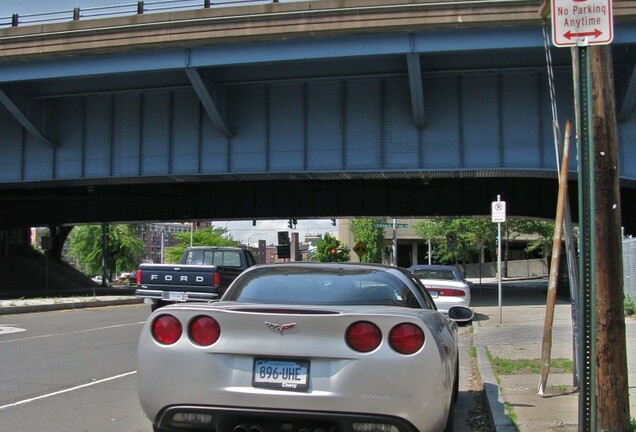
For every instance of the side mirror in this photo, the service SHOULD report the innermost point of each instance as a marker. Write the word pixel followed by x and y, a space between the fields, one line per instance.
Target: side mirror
pixel 460 314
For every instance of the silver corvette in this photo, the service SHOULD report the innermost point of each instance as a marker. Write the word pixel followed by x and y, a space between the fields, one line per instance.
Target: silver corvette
pixel 304 347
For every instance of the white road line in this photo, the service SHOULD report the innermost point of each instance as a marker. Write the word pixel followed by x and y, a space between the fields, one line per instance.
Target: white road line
pixel 72 332
pixel 44 396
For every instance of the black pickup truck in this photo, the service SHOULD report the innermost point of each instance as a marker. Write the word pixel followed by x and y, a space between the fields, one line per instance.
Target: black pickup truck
pixel 202 274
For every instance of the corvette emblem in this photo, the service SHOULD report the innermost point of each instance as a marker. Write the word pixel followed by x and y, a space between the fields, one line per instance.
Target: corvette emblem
pixel 280 327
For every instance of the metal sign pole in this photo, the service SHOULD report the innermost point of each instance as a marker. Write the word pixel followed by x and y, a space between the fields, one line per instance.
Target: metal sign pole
pixel 499 266
pixel 498 215
pixel 587 272
pixel 394 258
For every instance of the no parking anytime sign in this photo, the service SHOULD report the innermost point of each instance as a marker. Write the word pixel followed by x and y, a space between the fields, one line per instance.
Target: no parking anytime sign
pixel 582 22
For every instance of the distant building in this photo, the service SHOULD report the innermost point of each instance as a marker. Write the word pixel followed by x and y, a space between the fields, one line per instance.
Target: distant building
pixel 159 236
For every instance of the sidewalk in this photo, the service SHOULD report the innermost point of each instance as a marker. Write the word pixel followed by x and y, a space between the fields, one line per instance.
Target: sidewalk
pixel 28 305
pixel 519 336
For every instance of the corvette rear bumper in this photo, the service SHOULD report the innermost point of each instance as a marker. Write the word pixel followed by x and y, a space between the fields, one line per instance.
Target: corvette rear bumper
pixel 228 419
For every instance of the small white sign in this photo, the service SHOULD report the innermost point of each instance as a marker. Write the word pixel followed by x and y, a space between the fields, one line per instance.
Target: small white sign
pixel 582 22
pixel 498 211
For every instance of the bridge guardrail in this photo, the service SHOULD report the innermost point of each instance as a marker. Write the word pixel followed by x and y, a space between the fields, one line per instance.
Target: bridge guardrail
pixel 137 8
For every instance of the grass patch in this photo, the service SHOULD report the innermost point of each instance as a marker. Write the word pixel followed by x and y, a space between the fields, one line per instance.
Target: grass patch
pixel 512 415
pixel 472 351
pixel 512 367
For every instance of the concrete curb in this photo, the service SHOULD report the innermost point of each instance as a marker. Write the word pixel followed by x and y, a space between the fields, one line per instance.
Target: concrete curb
pixel 8 310
pixel 500 421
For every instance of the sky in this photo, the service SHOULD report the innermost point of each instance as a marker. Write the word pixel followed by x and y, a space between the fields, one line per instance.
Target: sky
pixel 27 7
pixel 268 229
pixel 22 7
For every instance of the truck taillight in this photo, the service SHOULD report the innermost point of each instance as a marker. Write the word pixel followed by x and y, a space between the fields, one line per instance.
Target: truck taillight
pixel 216 280
pixel 138 277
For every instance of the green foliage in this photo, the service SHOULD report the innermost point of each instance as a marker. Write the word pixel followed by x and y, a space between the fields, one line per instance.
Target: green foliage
pixel 630 306
pixel 544 229
pixel 125 249
pixel 469 231
pixel 324 247
pixel 213 236
pixel 373 238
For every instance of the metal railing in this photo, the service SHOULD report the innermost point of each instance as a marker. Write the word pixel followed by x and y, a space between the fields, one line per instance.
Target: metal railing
pixel 137 8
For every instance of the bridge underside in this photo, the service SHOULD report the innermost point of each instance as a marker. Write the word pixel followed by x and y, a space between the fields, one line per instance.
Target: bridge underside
pixel 379 195
pixel 410 122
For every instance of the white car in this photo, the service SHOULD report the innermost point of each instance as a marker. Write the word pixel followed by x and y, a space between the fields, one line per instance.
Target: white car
pixel 445 283
pixel 315 347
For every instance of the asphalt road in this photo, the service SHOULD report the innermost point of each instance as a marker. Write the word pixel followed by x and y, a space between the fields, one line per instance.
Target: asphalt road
pixel 75 370
pixel 71 370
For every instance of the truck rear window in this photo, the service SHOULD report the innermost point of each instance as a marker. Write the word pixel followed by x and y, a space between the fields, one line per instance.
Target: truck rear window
pixel 218 258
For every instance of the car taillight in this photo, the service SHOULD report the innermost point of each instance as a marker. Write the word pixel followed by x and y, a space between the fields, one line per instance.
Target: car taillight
pixel 138 277
pixel 406 338
pixel 204 330
pixel 363 336
pixel 166 329
pixel 216 279
pixel 448 292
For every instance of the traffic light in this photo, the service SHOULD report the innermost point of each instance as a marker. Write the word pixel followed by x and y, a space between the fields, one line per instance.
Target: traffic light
pixel 289 224
pixel 333 222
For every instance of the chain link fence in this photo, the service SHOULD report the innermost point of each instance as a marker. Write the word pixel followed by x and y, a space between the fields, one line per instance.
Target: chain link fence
pixel 629 267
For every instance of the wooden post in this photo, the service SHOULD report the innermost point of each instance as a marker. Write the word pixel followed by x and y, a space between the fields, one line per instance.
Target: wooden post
pixel 612 392
pixel 546 347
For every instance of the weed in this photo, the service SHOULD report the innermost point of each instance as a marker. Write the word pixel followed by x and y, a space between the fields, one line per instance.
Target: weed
pixel 512 415
pixel 630 306
pixel 511 367
pixel 472 351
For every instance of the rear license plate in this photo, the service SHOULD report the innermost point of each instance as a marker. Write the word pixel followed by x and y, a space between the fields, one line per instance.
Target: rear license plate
pixel 281 374
pixel 175 296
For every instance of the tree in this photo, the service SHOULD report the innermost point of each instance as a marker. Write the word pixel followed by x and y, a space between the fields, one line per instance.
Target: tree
pixel 469 231
pixel 372 237
pixel 331 249
pixel 214 236
pixel 125 248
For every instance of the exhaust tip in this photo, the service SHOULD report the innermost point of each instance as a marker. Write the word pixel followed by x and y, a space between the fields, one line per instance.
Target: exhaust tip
pixel 240 428
pixel 255 428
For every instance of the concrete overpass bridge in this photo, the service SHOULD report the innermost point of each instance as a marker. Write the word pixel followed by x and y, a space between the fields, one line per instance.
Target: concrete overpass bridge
pixel 292 109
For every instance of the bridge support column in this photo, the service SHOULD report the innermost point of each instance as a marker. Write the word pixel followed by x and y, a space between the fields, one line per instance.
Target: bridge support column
pixel 13 241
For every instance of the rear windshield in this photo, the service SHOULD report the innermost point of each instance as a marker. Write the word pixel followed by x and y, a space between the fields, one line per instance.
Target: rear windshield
pixel 435 274
pixel 326 287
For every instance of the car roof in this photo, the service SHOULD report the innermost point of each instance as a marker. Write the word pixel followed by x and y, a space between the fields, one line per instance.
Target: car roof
pixel 432 267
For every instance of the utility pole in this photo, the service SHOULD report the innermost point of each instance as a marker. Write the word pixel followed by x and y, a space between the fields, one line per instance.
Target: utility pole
pixel 612 392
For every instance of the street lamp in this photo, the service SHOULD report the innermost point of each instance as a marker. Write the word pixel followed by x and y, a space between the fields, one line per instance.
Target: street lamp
pixel 255 234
